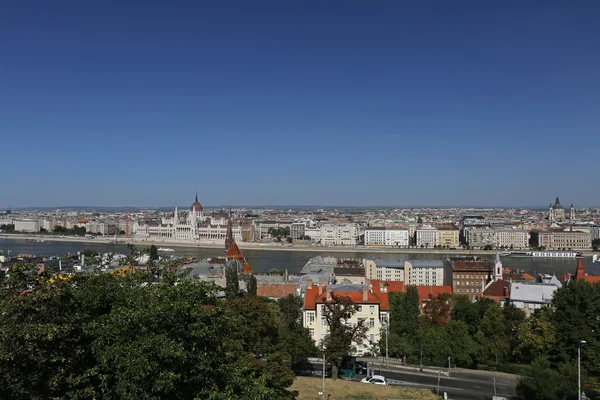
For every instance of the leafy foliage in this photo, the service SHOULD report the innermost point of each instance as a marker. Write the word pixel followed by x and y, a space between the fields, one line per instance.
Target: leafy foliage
pixel 232 283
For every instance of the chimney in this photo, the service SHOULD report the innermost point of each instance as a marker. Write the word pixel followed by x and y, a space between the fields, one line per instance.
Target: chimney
pixel 309 284
pixel 381 287
pixel 329 295
pixel 365 294
pixel 320 289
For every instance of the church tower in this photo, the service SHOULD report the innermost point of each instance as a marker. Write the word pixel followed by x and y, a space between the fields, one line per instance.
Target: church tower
pixel 497 268
pixel 229 236
pixel 572 212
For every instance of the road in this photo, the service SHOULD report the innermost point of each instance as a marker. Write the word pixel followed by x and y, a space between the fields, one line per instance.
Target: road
pixel 459 385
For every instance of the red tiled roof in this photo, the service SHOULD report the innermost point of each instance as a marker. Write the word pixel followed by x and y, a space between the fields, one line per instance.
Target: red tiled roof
pixel 428 292
pixel 246 269
pixel 499 289
pixel 581 275
pixel 312 296
pixel 277 290
pixel 234 252
pixel 472 265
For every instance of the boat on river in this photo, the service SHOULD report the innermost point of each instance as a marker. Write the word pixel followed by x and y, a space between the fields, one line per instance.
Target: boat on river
pixel 543 254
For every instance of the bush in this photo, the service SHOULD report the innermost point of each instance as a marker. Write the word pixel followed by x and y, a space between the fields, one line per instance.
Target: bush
pixel 516 369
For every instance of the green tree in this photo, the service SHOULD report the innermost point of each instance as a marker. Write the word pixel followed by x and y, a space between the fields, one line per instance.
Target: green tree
pixel 535 337
pixel 596 244
pixel 153 253
pixel 544 382
pixel 491 337
pixel 232 284
pixel 252 286
pixel 295 338
pixel 8 228
pixel 90 253
pixel 436 312
pixel 404 325
pixel 342 334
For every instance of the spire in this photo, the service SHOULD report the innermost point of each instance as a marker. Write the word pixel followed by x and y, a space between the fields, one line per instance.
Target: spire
pixel 580 273
pixel 229 236
pixel 196 197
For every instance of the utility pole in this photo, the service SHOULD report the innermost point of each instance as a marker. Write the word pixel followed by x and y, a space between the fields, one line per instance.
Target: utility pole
pixel 421 362
pixel 386 344
pixel 494 386
pixel 438 386
pixel 579 368
pixel 323 372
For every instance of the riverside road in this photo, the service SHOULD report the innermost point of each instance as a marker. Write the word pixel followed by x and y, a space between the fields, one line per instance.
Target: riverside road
pixel 460 385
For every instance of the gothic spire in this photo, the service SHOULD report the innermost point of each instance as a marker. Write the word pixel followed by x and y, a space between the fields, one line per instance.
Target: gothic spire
pixel 229 236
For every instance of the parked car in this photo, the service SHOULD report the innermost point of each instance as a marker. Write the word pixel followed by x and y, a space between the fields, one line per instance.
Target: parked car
pixel 361 367
pixel 375 380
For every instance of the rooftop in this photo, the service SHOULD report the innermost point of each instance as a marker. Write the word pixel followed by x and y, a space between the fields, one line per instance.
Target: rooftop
pixel 426 263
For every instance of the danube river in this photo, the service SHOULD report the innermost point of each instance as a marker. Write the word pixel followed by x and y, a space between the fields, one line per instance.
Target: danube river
pixel 264 260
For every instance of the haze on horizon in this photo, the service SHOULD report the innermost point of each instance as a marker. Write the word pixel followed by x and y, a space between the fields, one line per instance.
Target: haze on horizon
pixel 477 103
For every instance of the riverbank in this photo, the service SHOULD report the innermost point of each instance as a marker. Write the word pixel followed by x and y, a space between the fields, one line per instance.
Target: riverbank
pixel 252 245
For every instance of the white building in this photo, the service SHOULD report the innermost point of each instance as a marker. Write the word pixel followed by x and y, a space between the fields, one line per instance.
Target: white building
pixel 27 225
pixel 195 226
pixel 297 230
pixel 426 236
pixel 313 232
pixel 424 272
pixel 386 237
pixel 96 227
pixel 339 235
pixel 47 224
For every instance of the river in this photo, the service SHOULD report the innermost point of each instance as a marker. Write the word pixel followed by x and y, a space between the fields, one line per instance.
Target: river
pixel 264 260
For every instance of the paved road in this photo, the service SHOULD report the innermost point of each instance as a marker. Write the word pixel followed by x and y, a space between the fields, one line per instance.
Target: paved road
pixel 458 386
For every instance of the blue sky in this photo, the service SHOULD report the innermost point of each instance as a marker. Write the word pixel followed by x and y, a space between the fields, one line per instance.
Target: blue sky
pixel 280 102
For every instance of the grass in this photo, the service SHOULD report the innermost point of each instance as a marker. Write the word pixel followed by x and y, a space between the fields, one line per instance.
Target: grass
pixel 308 389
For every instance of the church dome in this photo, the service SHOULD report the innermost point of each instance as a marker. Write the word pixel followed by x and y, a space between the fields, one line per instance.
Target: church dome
pixel 196 206
pixel 557 205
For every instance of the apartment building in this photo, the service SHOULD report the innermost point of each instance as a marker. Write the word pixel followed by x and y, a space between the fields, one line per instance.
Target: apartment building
pixel 384 270
pixel 426 236
pixel 471 277
pixel 336 235
pixel 386 237
pixel 447 236
pixel 27 225
pixel 511 238
pixel 424 272
pixel 297 230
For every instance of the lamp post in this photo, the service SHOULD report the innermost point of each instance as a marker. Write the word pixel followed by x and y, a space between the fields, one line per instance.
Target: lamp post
pixel 323 371
pixel 582 342
pixel 386 344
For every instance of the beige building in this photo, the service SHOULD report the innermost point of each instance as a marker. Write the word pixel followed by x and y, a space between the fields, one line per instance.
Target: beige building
pixel 424 272
pixel 367 300
pixel 561 239
pixel 384 270
pixel 512 238
pixel 447 236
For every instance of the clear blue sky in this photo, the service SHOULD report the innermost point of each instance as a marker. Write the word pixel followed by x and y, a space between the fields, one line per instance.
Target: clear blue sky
pixel 305 102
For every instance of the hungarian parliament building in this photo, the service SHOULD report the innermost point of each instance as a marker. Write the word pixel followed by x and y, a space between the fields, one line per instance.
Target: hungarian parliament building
pixel 192 226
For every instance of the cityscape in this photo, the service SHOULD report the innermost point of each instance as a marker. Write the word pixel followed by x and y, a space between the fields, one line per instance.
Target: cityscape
pixel 300 200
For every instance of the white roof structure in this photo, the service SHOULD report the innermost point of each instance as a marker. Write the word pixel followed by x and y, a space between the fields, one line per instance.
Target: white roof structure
pixel 532 292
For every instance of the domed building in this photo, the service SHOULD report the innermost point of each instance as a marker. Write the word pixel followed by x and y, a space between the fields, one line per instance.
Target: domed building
pixel 556 212
pixel 193 226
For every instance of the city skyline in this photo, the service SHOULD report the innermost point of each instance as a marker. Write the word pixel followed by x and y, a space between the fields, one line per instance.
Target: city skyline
pixel 339 104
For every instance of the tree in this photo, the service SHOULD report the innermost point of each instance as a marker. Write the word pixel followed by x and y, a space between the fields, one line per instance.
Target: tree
pixel 343 334
pixel 110 336
pixel 294 337
pixel 488 247
pixel 546 383
pixel 535 337
pixel 252 286
pixel 404 325
pixel 436 312
pixel 153 253
pixel 8 228
pixel 595 244
pixel 491 337
pixel 232 284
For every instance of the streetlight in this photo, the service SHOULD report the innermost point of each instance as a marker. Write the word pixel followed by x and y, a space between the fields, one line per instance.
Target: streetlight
pixel 582 342
pixel 386 343
pixel 323 370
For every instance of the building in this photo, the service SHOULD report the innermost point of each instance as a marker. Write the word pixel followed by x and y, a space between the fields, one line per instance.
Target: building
pixel 26 225
pixel 593 273
pixel 556 212
pixel 313 233
pixel 339 235
pixel 479 237
pixel 511 238
pixel 349 272
pixel 471 278
pixel 277 290
pixel 424 272
pixel 558 239
pixel 529 297
pixel 595 232
pixel 191 227
pixel 426 236
pixel 369 306
pixel 386 237
pixel 384 270
pixel 499 291
pixel 297 230
pixel 447 237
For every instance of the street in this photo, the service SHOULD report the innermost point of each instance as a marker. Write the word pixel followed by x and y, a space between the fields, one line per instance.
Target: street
pixel 459 386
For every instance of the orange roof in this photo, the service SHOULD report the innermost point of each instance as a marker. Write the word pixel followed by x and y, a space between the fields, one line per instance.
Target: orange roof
pixel 429 292
pixel 234 252
pixel 123 271
pixel 581 275
pixel 425 292
pixel 246 269
pixel 312 296
pixel 528 277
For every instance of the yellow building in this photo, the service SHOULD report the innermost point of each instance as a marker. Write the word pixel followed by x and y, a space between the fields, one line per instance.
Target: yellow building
pixel 447 236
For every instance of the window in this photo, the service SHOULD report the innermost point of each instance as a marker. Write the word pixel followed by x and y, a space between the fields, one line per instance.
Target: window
pixel 311 332
pixel 310 317
pixel 359 308
pixel 372 309
pixel 371 338
pixel 519 304
pixel 323 321
pixel 371 322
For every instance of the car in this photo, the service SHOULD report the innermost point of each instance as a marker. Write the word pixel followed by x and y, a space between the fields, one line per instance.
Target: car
pixel 375 380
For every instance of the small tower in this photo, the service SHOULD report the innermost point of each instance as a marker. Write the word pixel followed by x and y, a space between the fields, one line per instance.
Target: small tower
pixel 229 236
pixel 572 212
pixel 176 217
pixel 498 268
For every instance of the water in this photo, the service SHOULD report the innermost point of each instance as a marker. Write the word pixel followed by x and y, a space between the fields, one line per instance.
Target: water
pixel 264 260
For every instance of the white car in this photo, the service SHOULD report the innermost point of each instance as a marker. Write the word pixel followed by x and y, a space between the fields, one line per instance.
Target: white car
pixel 375 380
